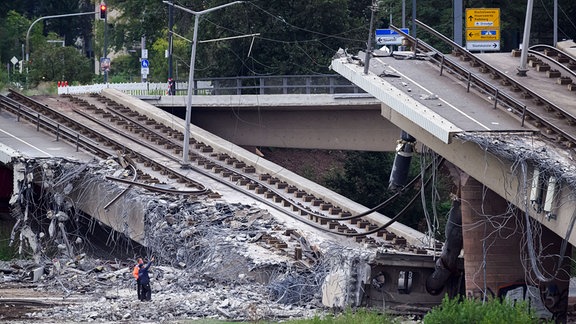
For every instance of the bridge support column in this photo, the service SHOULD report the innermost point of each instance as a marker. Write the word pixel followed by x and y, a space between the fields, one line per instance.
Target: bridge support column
pixel 496 251
pixel 491 241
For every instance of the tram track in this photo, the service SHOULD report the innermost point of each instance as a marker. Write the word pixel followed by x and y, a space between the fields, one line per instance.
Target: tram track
pixel 523 102
pixel 136 130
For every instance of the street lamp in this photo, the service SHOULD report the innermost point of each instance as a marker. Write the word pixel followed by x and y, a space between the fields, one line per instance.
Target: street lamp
pixel 197 14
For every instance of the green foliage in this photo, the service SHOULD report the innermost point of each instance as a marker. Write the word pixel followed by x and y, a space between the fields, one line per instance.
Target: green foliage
pixel 296 37
pixel 125 68
pixel 6 252
pixel 56 63
pixel 472 311
pixel 365 177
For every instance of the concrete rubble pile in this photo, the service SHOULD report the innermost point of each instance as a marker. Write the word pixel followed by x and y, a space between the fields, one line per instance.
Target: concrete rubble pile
pixel 212 261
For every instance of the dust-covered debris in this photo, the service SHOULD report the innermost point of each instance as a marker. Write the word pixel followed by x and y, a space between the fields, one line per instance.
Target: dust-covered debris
pixel 213 259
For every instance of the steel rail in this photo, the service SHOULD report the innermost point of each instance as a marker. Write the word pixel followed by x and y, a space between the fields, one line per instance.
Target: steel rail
pixel 262 187
pixel 521 109
pixel 61 131
pixel 111 142
pixel 558 53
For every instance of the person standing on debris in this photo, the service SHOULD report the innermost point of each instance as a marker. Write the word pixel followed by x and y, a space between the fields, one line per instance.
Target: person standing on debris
pixel 144 278
pixel 135 274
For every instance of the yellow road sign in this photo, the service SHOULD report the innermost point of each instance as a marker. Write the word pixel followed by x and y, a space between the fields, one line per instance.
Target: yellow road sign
pixel 482 34
pixel 485 17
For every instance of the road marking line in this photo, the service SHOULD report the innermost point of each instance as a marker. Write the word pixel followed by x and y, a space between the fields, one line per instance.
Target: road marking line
pixel 444 101
pixel 18 139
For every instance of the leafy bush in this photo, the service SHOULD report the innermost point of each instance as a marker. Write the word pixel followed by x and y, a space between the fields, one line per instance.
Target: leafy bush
pixel 467 311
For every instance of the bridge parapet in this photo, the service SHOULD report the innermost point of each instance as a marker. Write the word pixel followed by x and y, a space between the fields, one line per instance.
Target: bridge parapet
pixel 242 85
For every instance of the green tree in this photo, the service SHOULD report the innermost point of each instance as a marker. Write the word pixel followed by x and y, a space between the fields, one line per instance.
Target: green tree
pixel 13 34
pixel 56 63
pixel 364 179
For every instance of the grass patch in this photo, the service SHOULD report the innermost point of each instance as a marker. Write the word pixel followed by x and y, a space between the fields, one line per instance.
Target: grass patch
pixel 493 311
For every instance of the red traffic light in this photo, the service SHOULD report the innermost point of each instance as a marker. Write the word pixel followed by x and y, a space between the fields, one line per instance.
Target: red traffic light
pixel 103 11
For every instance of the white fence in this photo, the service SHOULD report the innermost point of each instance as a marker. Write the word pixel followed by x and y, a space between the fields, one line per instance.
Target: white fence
pixel 244 85
pixel 135 89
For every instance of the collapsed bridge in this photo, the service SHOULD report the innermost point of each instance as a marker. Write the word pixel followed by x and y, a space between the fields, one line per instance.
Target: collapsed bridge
pixel 135 184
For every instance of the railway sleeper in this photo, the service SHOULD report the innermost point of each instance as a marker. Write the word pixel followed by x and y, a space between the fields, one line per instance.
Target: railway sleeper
pixel 345 214
pixel 400 241
pixel 341 228
pixel 281 185
pixel 272 196
pixel 363 224
pixel 533 61
pixel 389 236
pixel 325 206
pixel 552 73
pixel 299 193
pixel 335 210
pixel 564 80
pixel 543 67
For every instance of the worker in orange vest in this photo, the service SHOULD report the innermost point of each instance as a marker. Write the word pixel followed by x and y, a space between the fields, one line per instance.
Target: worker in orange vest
pixel 135 274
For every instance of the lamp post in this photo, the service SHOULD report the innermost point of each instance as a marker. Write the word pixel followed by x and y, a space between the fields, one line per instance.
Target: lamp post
pixel 197 14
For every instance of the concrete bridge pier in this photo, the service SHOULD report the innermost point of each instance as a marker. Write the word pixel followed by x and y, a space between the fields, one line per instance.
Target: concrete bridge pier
pixel 497 253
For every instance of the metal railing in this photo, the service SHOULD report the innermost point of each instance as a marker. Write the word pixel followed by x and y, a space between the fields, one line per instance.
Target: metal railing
pixel 260 85
pixel 288 84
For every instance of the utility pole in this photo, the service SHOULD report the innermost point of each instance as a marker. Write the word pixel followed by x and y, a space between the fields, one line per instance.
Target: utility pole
pixel 197 14
pixel 414 19
pixel 170 38
pixel 458 8
pixel 105 46
pixel 374 8
pixel 403 13
pixel 526 40
pixel 555 23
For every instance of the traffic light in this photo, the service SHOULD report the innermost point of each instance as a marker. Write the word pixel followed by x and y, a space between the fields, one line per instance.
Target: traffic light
pixel 103 11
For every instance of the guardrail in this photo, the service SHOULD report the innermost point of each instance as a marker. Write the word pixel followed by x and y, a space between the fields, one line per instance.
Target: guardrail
pixel 287 84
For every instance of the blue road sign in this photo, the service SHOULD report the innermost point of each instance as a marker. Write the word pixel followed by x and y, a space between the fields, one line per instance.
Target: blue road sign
pixel 145 63
pixel 390 36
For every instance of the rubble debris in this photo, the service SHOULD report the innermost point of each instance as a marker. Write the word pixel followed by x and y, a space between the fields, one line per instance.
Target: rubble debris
pixel 214 259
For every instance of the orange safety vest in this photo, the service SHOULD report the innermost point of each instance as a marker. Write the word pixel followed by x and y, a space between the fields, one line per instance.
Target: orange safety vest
pixel 135 271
